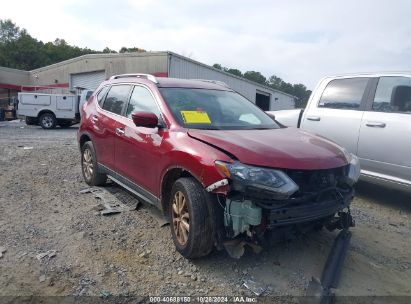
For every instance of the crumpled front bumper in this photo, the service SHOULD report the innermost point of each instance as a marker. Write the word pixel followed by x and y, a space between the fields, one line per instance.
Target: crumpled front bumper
pixel 306 212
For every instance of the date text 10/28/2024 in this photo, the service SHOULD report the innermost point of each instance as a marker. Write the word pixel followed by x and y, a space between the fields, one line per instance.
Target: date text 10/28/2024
pixel 205 299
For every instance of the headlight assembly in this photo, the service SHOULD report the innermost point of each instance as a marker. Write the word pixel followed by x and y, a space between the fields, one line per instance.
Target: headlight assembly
pixel 245 176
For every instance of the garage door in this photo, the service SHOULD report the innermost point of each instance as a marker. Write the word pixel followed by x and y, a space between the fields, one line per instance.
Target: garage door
pixel 90 80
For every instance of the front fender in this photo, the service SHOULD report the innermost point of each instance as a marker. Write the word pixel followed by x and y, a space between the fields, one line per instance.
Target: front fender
pixel 194 157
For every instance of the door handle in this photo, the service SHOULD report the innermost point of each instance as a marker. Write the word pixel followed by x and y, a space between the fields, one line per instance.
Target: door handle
pixel 374 124
pixel 120 131
pixel 94 118
pixel 313 118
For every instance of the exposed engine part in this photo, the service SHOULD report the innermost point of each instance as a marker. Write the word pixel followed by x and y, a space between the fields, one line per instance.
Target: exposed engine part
pixel 343 221
pixel 239 215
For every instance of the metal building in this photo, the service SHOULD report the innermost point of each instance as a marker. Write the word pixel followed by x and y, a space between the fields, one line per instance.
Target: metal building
pixel 89 71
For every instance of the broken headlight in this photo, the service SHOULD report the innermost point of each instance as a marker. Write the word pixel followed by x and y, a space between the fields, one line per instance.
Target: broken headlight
pixel 245 177
pixel 354 170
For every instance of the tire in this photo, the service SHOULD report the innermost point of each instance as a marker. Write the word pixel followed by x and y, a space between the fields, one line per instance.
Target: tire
pixel 198 240
pixel 89 166
pixel 47 121
pixel 31 121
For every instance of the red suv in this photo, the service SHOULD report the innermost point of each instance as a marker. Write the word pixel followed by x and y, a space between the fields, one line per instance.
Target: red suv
pixel 216 165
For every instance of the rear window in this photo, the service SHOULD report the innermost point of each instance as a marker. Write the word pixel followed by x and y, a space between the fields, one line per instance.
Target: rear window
pixel 101 95
pixel 344 93
pixel 116 98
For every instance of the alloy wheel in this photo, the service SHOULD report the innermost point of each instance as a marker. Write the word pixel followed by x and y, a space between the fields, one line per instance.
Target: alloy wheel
pixel 181 217
pixel 88 164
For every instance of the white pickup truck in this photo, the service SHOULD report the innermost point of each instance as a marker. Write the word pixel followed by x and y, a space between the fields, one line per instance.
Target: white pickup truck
pixel 369 115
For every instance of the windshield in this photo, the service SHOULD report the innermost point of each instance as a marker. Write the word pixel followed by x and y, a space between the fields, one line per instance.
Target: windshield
pixel 215 110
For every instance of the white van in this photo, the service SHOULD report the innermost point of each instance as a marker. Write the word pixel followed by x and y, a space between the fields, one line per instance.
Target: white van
pixel 49 110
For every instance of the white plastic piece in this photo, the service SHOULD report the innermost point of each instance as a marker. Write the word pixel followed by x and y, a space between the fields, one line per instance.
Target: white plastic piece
pixel 216 185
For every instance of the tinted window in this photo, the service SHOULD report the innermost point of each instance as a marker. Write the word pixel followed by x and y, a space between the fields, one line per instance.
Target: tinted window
pixel 393 94
pixel 116 98
pixel 101 94
pixel 141 101
pixel 343 93
pixel 216 110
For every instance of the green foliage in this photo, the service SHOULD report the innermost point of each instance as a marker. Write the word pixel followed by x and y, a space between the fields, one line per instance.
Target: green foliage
pixel 299 90
pixel 256 77
pixel 131 50
pixel 217 66
pixel 19 50
pixel 235 72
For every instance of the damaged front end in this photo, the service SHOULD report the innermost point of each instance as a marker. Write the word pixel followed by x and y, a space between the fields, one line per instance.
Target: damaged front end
pixel 263 201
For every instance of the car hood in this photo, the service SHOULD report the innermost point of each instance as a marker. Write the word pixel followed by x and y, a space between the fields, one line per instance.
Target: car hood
pixel 286 148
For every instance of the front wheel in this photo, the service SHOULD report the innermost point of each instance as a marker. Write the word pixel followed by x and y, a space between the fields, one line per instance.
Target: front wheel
pixel 191 226
pixel 48 121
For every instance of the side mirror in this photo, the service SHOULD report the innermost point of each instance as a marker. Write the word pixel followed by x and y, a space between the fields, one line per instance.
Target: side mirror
pixel 145 119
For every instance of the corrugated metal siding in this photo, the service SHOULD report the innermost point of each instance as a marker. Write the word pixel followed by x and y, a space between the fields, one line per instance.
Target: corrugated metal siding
pixel 89 80
pixel 179 67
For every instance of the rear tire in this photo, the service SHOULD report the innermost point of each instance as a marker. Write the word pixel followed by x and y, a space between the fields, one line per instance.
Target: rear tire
pixel 89 166
pixel 48 121
pixel 191 226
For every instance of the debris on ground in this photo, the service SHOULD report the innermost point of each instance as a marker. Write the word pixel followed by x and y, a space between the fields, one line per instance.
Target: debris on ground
pixel 257 288
pixel 105 293
pixel 89 190
pixel 236 248
pixel 42 278
pixel 2 250
pixel 50 254
pixel 109 203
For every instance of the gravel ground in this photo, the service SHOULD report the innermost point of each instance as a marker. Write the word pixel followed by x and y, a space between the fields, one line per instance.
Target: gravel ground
pixel 131 254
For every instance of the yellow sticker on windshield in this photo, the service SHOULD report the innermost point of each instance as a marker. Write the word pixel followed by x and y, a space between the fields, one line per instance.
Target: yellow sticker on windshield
pixel 195 117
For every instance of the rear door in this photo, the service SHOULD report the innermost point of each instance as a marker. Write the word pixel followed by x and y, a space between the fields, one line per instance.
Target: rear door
pixel 385 138
pixel 105 120
pixel 337 113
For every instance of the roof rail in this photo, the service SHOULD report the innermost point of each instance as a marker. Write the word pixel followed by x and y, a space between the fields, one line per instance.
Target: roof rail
pixel 138 75
pixel 221 83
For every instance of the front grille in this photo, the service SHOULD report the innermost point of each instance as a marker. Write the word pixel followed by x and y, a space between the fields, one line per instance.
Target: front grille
pixel 310 181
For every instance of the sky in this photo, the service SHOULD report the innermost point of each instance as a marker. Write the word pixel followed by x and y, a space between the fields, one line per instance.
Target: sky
pixel 299 41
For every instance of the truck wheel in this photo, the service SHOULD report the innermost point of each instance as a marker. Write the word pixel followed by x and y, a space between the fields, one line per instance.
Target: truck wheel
pixel 30 121
pixel 48 121
pixel 89 166
pixel 190 221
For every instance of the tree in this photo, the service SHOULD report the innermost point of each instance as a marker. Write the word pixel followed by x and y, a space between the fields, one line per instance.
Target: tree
pixel 108 50
pixel 217 66
pixel 131 50
pixel 8 31
pixel 235 72
pixel 255 76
